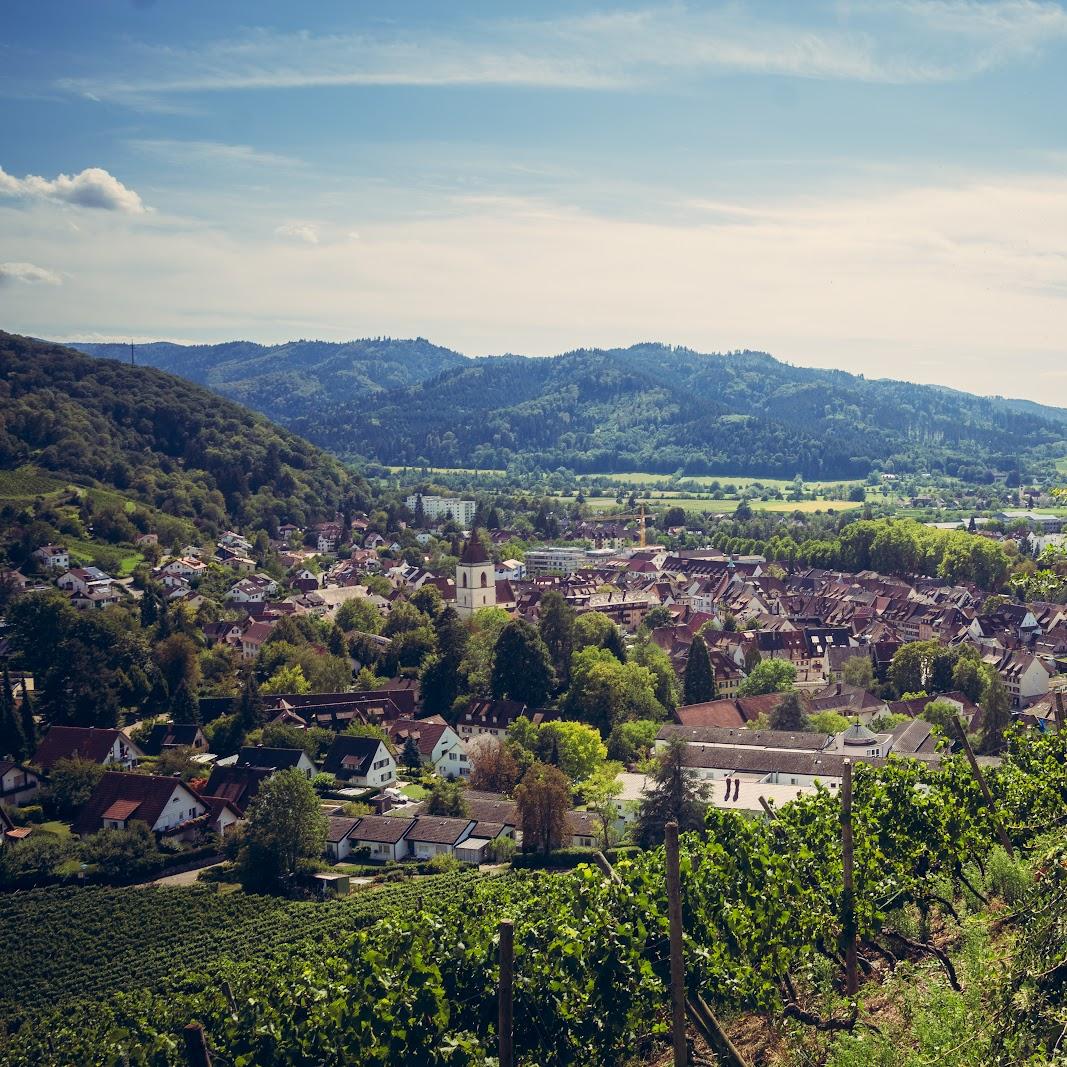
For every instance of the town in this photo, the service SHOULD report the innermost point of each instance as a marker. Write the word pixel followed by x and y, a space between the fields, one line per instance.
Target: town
pixel 412 667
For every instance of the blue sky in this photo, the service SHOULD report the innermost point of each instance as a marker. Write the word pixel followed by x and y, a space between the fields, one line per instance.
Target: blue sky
pixel 878 186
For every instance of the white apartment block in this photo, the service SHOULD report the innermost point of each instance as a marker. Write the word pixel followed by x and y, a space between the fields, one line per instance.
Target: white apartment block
pixel 444 507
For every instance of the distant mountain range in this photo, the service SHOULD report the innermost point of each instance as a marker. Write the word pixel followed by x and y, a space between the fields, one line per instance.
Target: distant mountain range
pixel 650 407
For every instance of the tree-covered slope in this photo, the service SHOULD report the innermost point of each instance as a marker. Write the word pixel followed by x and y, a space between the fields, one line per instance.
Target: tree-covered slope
pixel 656 408
pixel 292 383
pixel 158 439
pixel 649 407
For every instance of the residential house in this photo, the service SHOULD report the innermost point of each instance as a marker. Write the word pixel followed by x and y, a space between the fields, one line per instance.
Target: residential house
pixel 82 579
pixel 439 745
pixel 164 736
pixel 236 785
pixel 52 557
pixel 434 835
pixel 493 717
pixel 254 589
pixel 360 761
pixel 384 837
pixel 1025 676
pixel 18 784
pixel 276 759
pixel 109 748
pixel 166 805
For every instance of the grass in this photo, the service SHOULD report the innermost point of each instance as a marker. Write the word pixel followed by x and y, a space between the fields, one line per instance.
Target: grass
pixel 694 503
pixel 60 829
pixel 414 791
pixel 740 481
pixel 116 560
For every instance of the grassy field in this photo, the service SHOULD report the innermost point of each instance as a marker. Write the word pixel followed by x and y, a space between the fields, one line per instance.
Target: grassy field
pixel 740 481
pixel 663 501
pixel 445 470
pixel 119 562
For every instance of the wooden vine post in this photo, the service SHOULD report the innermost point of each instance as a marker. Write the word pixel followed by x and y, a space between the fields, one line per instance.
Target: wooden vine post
pixel 196 1052
pixel 979 777
pixel 674 912
pixel 505 999
pixel 848 894
pixel 1059 711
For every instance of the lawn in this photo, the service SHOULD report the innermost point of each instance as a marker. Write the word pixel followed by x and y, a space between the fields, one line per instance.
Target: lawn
pixel 60 829
pixel 414 791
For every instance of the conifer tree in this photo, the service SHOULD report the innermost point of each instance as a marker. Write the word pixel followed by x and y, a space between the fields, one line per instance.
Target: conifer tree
pixel 698 684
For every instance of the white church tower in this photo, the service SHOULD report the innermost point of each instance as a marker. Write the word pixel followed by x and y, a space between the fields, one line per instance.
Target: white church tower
pixel 475 579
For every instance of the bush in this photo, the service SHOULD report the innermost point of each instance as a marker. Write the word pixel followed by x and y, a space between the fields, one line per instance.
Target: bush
pixel 1009 879
pixel 124 855
pixel 500 849
pixel 442 862
pixel 26 814
pixel 562 859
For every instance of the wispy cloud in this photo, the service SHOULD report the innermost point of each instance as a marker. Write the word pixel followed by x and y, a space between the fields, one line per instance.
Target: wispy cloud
pixel 299 231
pixel 179 151
pixel 93 187
pixel 27 274
pixel 895 41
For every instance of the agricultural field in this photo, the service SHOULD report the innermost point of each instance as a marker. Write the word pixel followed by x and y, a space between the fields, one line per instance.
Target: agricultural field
pixel 62 943
pixel 662 501
pixel 27 483
pixel 741 481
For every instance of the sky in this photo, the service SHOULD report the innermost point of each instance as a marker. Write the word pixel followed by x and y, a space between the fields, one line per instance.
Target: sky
pixel 874 185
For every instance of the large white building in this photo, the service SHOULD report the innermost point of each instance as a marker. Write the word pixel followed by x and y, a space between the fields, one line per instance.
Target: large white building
pixel 554 560
pixel 444 507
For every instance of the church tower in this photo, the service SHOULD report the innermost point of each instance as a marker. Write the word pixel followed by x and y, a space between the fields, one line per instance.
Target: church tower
pixel 475 579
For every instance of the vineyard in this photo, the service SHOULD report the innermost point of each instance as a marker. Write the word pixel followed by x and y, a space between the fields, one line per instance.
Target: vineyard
pixel 58 943
pixel 414 982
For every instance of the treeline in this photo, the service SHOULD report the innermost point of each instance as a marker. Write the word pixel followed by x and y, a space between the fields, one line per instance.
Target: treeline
pixel 160 440
pixel 901 547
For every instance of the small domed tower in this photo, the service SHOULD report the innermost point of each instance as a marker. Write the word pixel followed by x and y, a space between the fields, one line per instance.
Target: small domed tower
pixel 475 579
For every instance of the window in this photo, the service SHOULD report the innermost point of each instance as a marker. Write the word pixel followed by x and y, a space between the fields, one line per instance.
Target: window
pixel 485 581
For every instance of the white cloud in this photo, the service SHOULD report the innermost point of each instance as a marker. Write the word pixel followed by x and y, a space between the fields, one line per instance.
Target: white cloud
pixel 959 283
pixel 28 274
pixel 299 231
pixel 93 187
pixel 896 41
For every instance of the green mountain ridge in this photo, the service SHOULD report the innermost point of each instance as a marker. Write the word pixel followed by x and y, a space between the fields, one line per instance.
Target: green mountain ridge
pixel 649 407
pixel 160 440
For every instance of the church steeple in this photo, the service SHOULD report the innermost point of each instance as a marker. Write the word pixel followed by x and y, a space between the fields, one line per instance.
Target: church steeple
pixel 475 578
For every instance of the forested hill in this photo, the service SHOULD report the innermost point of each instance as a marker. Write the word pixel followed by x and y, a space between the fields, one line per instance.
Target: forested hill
pixel 159 439
pixel 294 380
pixel 650 407
pixel 656 408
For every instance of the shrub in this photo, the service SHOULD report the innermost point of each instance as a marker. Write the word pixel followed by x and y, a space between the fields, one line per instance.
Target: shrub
pixel 562 859
pixel 1008 878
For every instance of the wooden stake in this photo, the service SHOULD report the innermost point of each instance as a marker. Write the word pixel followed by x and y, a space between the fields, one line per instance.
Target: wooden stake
pixel 979 777
pixel 604 864
pixel 767 808
pixel 196 1046
pixel 674 912
pixel 848 895
pixel 1059 711
pixel 505 1003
